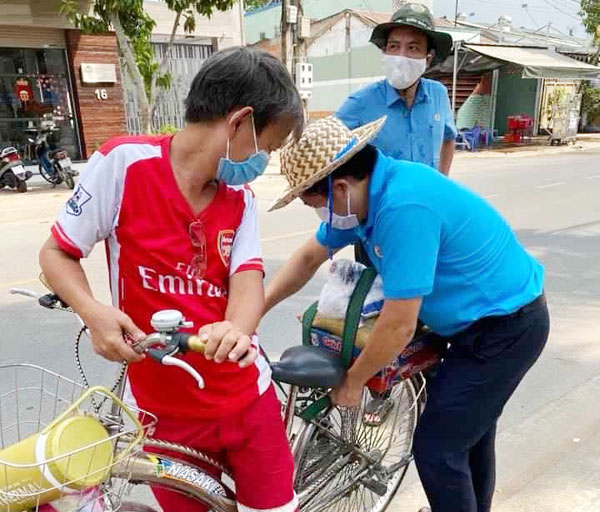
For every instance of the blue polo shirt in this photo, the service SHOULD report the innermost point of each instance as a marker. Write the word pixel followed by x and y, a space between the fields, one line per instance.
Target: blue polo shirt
pixel 431 237
pixel 414 134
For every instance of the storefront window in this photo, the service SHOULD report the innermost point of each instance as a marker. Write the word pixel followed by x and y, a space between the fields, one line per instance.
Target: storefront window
pixel 34 86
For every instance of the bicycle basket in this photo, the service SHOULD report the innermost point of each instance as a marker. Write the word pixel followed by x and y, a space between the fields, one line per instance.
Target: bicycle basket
pixel 59 440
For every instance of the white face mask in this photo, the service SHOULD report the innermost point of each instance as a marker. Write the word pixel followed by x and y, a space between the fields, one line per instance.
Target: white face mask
pixel 402 72
pixel 344 222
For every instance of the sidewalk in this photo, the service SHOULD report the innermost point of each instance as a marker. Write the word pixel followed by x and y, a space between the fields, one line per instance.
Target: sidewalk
pixel 585 141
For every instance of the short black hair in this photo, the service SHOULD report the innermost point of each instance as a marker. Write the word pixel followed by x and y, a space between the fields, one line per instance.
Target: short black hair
pixel 359 167
pixel 239 77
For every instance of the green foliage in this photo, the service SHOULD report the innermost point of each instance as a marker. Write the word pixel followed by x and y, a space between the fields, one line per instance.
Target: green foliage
pixel 255 4
pixel 168 129
pixel 136 23
pixel 591 102
pixel 590 14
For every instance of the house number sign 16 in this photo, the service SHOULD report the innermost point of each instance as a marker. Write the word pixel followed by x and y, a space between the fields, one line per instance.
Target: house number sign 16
pixel 101 94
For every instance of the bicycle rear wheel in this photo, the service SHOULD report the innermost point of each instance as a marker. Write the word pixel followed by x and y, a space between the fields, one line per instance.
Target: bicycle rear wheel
pixel 345 465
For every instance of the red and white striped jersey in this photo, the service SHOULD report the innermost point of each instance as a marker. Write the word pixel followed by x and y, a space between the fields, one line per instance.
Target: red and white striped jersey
pixel 129 198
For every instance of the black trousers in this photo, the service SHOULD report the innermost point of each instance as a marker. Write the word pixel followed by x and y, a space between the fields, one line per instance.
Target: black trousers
pixel 454 441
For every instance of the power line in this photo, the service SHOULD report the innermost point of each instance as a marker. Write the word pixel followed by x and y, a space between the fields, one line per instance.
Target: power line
pixel 526 9
pixel 561 10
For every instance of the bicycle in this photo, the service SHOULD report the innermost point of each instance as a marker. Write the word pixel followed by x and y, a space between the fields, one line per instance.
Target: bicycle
pixel 341 463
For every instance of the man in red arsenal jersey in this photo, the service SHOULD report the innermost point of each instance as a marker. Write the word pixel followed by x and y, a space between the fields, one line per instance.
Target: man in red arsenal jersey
pixel 180 227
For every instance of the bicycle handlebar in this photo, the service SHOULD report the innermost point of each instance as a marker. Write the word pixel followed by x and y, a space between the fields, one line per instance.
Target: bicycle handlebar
pixel 170 342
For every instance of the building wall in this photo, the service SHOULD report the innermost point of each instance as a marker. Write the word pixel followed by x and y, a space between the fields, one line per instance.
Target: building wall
pixel 334 40
pixel 35 13
pixel 100 119
pixel 267 20
pixel 516 95
pixel 25 37
pixel 225 26
pixel 337 76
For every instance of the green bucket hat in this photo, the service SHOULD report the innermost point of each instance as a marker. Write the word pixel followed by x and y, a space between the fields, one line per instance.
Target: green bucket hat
pixel 417 16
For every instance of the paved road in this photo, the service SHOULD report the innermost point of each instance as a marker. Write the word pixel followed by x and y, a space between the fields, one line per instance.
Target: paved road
pixel 549 441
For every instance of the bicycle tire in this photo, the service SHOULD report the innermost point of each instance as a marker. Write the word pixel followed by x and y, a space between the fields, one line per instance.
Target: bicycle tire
pixel 328 471
pixel 132 506
pixel 148 470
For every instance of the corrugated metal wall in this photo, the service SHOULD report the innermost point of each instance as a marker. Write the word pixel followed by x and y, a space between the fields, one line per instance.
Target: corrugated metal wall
pixel 186 60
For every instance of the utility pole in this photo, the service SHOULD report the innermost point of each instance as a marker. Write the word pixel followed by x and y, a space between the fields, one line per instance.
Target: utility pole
pixel 242 32
pixel 348 48
pixel 287 46
pixel 456 13
pixel 300 33
pixel 299 42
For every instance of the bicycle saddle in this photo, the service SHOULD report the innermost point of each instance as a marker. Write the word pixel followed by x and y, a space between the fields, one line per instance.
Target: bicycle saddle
pixel 309 366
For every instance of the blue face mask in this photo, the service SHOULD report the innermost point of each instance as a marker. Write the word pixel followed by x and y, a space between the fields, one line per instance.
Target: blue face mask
pixel 240 173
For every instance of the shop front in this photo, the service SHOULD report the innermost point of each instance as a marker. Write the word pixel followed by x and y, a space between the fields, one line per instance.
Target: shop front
pixel 55 79
pixel 35 88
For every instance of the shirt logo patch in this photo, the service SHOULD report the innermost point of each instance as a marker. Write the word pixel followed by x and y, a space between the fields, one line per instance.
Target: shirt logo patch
pixel 225 243
pixel 437 116
pixel 78 199
pixel 378 252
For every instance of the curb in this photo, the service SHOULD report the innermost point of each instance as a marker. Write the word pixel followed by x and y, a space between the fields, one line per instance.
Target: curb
pixel 523 152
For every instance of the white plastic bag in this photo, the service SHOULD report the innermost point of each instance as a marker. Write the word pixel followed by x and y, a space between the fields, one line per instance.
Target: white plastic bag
pixel 341 281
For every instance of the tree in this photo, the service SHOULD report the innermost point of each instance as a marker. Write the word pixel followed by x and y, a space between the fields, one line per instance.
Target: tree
pixel 255 4
pixel 590 15
pixel 133 28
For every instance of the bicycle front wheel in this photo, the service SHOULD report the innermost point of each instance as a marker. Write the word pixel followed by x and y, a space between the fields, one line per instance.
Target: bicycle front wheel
pixel 347 465
pixel 135 478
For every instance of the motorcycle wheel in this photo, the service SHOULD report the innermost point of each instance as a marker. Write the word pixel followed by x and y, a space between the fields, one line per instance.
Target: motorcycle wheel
pixel 69 181
pixel 22 186
pixel 55 178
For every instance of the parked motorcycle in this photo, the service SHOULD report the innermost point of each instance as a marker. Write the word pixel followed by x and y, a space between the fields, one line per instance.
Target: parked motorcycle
pixel 12 172
pixel 55 165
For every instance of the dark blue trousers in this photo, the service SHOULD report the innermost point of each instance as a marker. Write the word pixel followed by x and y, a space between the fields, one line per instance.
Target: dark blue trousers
pixel 454 441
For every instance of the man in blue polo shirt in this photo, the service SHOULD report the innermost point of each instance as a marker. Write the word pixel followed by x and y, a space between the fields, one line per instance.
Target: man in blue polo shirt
pixel 420 125
pixel 446 257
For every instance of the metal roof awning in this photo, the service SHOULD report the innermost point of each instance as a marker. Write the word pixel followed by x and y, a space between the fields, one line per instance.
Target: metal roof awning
pixel 538 62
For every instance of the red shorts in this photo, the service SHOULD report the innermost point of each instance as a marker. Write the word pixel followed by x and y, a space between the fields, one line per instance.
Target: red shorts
pixel 252 444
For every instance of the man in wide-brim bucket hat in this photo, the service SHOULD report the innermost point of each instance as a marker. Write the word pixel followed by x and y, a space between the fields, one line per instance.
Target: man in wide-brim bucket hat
pixel 419 17
pixel 445 257
pixel 420 124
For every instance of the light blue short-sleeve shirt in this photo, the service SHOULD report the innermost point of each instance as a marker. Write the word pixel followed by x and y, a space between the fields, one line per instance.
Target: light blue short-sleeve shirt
pixel 431 237
pixel 414 134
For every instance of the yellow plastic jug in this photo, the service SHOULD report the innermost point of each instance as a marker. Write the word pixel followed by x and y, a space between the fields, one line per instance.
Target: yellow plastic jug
pixel 42 467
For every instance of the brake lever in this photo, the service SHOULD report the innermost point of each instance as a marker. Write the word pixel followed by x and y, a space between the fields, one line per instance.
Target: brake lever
pixel 167 358
pixel 173 361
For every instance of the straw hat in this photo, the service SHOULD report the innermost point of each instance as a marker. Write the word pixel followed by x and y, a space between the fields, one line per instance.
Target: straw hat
pixel 324 146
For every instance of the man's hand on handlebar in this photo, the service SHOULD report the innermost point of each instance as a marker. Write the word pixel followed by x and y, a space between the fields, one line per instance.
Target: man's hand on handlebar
pixel 107 325
pixel 225 342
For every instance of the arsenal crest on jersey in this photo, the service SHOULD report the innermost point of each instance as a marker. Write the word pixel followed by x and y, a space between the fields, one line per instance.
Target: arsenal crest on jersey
pixel 225 243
